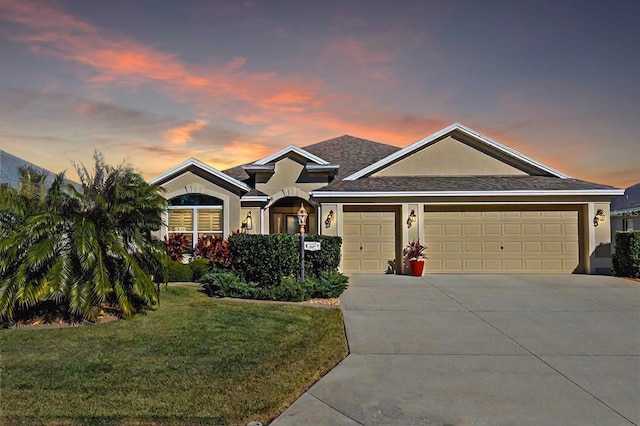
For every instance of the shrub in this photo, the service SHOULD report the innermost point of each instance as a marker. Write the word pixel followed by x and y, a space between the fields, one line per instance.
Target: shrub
pixel 325 259
pixel 228 284
pixel 176 245
pixel 626 259
pixel 198 268
pixel 329 284
pixel 178 272
pixel 215 249
pixel 264 259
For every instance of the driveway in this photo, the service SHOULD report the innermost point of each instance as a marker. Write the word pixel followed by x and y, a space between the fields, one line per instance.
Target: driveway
pixel 483 350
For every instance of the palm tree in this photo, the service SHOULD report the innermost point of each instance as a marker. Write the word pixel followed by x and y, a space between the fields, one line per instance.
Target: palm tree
pixel 87 249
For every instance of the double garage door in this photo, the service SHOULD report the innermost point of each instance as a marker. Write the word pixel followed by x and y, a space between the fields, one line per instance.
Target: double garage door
pixel 506 240
pixel 469 239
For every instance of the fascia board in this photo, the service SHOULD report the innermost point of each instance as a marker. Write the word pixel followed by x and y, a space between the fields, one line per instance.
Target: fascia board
pixel 255 198
pixel 465 130
pixel 623 212
pixel 193 162
pixel 342 194
pixel 291 148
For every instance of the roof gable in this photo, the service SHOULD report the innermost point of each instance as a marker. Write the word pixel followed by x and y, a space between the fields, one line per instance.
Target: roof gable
pixel 627 203
pixel 512 159
pixel 284 152
pixel 190 165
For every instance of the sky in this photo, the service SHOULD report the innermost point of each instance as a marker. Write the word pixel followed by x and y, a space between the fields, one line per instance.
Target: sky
pixel 154 82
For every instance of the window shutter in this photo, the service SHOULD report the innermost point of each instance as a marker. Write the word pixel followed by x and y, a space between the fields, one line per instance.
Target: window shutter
pixel 180 220
pixel 209 220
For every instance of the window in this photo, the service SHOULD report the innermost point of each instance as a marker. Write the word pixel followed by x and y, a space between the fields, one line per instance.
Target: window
pixel 203 217
pixel 627 224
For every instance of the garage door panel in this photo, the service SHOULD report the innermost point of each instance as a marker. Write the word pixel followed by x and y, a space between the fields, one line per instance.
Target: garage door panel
pixel 527 240
pixel 368 241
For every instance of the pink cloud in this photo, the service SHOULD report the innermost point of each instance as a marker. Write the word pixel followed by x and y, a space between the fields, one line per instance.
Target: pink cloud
pixel 182 134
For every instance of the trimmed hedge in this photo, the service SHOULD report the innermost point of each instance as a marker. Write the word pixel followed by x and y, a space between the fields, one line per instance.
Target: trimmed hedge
pixel 267 259
pixel 187 272
pixel 626 259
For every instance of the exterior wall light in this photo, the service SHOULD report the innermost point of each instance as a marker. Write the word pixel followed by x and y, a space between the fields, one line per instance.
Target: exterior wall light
pixel 329 220
pixel 412 218
pixel 599 217
pixel 247 223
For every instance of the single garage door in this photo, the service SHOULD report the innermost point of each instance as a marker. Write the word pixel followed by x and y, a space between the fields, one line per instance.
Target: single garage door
pixel 368 241
pixel 462 239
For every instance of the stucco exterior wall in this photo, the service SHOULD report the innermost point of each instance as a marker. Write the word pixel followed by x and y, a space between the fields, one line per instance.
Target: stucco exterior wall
pixel 289 173
pixel 449 157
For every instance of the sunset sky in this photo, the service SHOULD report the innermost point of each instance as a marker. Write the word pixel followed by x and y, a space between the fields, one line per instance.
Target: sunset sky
pixel 154 82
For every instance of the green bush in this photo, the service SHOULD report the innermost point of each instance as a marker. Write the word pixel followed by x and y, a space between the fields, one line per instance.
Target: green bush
pixel 228 284
pixel 325 259
pixel 198 268
pixel 329 284
pixel 178 272
pixel 626 259
pixel 264 259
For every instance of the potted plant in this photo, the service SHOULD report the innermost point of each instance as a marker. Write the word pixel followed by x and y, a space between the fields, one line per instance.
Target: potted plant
pixel 414 253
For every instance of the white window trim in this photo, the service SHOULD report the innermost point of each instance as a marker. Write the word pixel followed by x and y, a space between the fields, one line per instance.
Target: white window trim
pixel 194 232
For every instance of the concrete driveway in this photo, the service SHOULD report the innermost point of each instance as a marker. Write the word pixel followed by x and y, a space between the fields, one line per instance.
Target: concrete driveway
pixel 483 350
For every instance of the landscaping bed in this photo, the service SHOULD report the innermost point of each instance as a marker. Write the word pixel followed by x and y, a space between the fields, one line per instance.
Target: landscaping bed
pixel 196 360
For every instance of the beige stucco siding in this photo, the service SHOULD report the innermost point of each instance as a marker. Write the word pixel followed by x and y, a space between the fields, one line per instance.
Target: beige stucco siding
pixel 289 173
pixel 449 157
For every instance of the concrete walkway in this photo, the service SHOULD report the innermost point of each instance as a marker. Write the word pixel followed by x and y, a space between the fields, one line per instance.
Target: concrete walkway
pixel 483 349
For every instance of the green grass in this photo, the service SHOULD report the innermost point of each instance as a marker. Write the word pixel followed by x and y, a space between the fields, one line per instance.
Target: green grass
pixel 196 360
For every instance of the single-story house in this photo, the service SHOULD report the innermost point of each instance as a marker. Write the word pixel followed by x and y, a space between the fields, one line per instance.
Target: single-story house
pixel 625 211
pixel 478 205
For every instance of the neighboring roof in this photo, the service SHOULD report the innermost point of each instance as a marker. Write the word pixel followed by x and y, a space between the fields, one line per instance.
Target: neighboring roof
pixel 191 163
pixel 466 185
pixel 456 127
pixel 350 153
pixel 10 170
pixel 627 203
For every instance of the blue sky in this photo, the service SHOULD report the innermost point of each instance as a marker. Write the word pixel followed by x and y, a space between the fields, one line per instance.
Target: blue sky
pixel 155 82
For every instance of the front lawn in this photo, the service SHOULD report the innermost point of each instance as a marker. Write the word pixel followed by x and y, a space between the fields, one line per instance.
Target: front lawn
pixel 196 360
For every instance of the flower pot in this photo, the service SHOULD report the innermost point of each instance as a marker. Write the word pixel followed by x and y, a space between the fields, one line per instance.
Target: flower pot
pixel 416 267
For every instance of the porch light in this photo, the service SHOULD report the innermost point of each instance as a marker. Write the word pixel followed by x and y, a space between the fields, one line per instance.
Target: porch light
pixel 247 223
pixel 302 219
pixel 599 217
pixel 329 219
pixel 412 218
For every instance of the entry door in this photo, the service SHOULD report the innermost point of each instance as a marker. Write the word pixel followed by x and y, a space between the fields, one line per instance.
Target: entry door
pixel 369 241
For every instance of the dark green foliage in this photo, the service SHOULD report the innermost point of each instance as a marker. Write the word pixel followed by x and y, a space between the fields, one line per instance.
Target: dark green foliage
pixel 626 259
pixel 199 267
pixel 80 252
pixel 264 259
pixel 327 285
pixel 227 284
pixel 178 272
pixel 326 259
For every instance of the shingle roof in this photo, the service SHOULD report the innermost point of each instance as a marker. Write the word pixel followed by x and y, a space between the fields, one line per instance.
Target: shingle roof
pixel 351 153
pixel 630 199
pixel 462 183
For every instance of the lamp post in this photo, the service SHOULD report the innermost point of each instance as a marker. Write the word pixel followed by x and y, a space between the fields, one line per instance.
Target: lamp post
pixel 302 218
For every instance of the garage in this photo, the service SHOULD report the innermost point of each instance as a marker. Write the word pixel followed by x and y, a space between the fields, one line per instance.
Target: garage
pixel 531 239
pixel 369 241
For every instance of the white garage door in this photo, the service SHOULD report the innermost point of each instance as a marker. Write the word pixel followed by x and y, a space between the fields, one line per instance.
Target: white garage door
pixel 526 240
pixel 369 241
